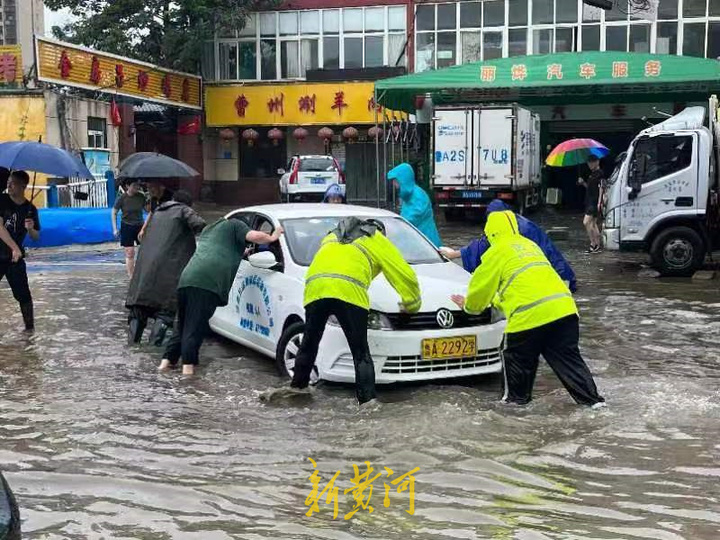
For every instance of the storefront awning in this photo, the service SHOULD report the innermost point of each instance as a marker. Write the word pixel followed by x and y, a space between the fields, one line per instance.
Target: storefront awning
pixel 565 78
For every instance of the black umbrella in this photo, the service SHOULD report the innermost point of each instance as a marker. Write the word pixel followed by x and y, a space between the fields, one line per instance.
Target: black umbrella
pixel 152 165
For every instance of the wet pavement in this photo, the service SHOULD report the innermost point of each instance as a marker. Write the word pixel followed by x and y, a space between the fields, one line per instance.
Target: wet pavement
pixel 98 445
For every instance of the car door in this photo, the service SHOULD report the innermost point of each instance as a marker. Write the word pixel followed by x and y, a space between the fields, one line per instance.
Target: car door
pixel 258 293
pixel 661 180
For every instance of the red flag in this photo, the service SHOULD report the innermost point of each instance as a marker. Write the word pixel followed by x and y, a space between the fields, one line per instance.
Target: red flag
pixel 193 127
pixel 115 114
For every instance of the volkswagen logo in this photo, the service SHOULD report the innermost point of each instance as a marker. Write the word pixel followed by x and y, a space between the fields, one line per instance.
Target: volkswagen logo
pixel 445 318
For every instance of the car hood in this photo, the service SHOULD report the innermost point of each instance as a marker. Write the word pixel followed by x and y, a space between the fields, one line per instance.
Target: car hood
pixel 437 283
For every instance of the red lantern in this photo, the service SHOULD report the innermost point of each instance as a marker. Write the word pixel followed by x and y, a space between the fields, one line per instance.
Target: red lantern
pixel 375 132
pixel 275 135
pixel 300 134
pixel 351 134
pixel 250 135
pixel 326 134
pixel 227 134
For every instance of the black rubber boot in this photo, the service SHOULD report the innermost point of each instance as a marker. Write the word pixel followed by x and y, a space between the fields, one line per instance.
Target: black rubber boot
pixel 158 333
pixel 28 315
pixel 136 329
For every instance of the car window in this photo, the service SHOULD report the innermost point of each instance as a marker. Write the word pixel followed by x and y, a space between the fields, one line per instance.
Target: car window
pixel 304 235
pixel 660 156
pixel 317 165
pixel 263 224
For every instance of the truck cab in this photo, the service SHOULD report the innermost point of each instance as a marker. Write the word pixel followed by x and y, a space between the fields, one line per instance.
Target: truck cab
pixel 659 197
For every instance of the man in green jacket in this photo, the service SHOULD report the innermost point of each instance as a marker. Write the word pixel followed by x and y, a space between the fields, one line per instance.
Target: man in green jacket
pixel 542 317
pixel 205 285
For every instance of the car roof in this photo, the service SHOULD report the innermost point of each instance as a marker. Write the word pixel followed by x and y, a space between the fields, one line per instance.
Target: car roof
pixel 313 156
pixel 314 210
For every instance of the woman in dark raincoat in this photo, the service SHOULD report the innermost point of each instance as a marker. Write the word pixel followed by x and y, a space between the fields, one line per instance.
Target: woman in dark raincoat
pixel 168 245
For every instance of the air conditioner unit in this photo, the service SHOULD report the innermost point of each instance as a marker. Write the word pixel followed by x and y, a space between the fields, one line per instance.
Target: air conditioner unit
pixel 602 4
pixel 553 196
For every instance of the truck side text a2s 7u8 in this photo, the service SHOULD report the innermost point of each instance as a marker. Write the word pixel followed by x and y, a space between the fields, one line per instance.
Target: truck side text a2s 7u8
pixel 662 197
pixel 485 152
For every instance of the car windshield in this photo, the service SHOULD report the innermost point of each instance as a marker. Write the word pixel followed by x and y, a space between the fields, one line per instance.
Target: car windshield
pixel 317 165
pixel 304 235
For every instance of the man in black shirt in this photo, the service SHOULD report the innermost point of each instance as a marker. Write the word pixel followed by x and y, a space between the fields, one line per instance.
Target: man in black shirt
pixel 20 218
pixel 593 185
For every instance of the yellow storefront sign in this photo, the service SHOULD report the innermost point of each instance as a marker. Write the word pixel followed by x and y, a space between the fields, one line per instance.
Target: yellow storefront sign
pixel 72 65
pixel 11 71
pixel 291 104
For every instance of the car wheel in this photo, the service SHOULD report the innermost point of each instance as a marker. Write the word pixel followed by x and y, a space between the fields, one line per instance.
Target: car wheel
pixel 678 251
pixel 287 351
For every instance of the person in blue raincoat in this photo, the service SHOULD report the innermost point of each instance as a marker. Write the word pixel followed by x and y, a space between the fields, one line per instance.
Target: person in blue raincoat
pixel 472 253
pixel 334 195
pixel 416 206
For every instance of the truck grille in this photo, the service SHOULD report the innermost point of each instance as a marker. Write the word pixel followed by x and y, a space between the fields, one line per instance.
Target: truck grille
pixel 397 365
pixel 428 321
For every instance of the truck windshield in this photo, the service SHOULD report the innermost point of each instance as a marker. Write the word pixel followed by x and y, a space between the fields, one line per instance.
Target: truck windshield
pixel 304 235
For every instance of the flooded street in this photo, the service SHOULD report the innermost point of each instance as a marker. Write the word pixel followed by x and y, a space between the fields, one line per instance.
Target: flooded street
pixel 97 445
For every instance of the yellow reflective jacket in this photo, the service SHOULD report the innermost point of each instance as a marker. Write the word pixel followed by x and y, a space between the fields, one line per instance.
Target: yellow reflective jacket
pixel 345 271
pixel 517 278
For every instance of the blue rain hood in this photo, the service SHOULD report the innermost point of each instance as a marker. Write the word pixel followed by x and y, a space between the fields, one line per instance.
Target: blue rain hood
pixel 496 206
pixel 334 191
pixel 416 206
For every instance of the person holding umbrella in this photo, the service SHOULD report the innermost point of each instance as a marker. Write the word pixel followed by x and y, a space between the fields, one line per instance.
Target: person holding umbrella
pixel 18 218
pixel 593 185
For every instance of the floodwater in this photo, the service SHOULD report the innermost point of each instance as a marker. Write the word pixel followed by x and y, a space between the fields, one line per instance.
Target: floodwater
pixel 98 445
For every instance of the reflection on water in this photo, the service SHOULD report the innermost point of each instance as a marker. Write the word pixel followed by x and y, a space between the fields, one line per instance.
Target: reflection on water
pixel 97 445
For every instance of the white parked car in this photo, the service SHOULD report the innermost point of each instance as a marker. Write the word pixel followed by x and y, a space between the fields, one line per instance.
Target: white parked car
pixel 308 177
pixel 265 311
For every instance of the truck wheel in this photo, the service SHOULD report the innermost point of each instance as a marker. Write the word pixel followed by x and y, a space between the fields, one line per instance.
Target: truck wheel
pixel 287 350
pixel 677 251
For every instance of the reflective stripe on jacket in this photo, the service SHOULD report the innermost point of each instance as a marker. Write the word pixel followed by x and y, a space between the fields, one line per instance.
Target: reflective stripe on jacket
pixel 345 272
pixel 516 277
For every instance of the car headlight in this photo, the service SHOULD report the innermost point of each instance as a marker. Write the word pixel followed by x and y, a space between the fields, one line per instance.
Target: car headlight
pixel 378 321
pixel 496 315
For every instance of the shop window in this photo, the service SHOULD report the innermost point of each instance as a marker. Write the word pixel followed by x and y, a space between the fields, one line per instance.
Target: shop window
pixel 667 9
pixel 640 38
pixel 97 132
pixel 470 15
pixel 396 49
pixel 565 39
pixel 493 13
pixel 268 24
pixel 667 33
pixel 657 157
pixel 425 55
pixel 694 8
pixel 517 42
pixel 542 41
pixel 374 19
pixel 446 49
pixel 542 12
pixel 714 40
pixel 250 26
pixel 492 45
pixel 309 22
pixel 308 55
pixel 616 38
pixel 617 13
pixel 374 46
pixel 331 53
pixel 353 52
pixel 425 17
pixel 289 60
pixel 397 18
pixel 471 47
pixel 694 39
pixel 446 15
pixel 268 66
pixel 714 8
pixel 228 61
pixel 331 21
pixel 591 38
pixel 566 11
pixel 288 23
pixel 248 60
pixel 518 12
pixel 352 20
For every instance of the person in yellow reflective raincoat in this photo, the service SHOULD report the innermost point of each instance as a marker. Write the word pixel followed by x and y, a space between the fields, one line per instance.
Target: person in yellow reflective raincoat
pixel 337 283
pixel 542 317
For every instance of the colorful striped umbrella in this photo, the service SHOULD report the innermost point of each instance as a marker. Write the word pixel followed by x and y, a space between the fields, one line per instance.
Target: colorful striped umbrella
pixel 575 152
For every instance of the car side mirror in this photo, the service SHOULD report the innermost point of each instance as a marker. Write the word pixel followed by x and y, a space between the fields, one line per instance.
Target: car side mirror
pixel 264 259
pixel 281 171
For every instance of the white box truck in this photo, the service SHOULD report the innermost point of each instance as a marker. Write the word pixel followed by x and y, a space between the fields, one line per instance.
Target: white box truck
pixel 485 152
pixel 662 197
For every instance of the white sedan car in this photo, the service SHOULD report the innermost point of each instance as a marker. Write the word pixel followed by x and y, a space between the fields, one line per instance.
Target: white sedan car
pixel 265 311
